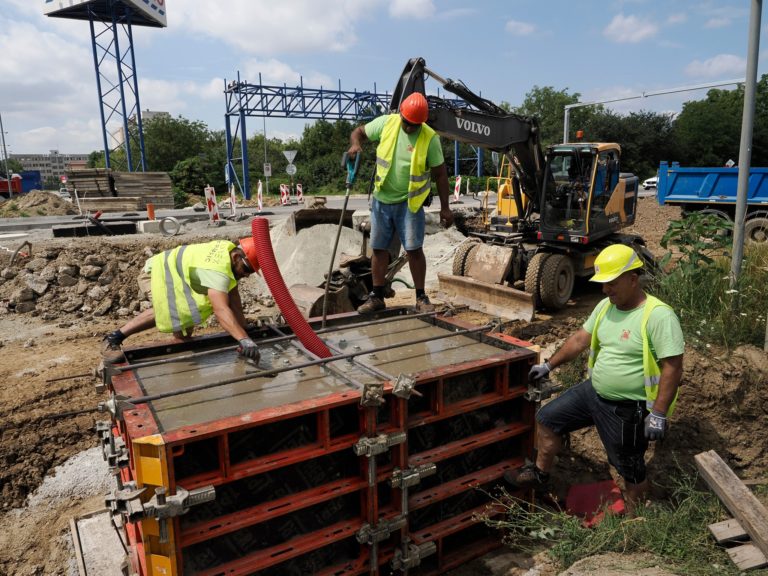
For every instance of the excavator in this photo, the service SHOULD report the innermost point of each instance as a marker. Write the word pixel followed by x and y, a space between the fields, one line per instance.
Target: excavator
pixel 556 209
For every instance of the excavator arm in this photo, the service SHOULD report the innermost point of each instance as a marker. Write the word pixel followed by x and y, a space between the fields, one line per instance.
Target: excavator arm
pixel 479 122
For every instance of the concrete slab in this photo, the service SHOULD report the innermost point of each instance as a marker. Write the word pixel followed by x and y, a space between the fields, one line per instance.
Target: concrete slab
pixel 97 545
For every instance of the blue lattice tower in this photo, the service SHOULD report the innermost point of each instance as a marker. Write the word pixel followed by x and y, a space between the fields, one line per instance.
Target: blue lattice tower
pixel 111 25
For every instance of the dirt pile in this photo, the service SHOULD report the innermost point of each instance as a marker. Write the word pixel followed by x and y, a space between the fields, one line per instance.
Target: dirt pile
pixel 36 203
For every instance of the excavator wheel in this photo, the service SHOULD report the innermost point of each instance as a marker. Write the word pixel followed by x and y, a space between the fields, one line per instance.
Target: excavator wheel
pixel 533 276
pixel 557 278
pixel 462 257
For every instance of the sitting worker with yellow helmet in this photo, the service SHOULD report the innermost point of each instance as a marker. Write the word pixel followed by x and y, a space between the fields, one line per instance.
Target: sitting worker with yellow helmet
pixel 186 285
pixel 635 367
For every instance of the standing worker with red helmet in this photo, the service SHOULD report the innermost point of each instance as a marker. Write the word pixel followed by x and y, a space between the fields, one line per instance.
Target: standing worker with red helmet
pixel 186 285
pixel 408 157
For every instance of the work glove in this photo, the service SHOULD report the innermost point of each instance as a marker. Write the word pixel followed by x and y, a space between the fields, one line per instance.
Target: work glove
pixel 249 349
pixel 539 371
pixel 655 425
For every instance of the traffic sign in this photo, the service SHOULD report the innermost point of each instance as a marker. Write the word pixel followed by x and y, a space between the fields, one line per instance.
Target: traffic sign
pixel 267 169
pixel 291 169
pixel 290 155
pixel 63 179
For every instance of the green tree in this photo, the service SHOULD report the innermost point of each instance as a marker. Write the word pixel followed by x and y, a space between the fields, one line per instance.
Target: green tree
pixel 168 140
pixel 548 106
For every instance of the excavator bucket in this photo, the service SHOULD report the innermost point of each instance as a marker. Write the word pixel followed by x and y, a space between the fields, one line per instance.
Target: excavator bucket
pixel 309 300
pixel 492 299
pixel 310 217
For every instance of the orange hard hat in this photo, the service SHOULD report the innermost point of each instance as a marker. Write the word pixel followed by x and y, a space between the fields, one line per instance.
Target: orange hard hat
pixel 415 108
pixel 248 246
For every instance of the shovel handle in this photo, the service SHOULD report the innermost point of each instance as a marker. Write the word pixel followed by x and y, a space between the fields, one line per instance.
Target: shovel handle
pixel 351 166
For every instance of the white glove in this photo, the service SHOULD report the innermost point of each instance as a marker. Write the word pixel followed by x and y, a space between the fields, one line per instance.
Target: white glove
pixel 539 371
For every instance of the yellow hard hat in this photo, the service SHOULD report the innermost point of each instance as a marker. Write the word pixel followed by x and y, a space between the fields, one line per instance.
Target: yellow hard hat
pixel 613 261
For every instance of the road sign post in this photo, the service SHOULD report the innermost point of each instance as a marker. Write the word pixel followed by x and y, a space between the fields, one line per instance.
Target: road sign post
pixel 291 168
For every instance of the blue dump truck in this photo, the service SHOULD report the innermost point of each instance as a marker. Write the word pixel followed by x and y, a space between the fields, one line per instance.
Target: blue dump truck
pixel 713 190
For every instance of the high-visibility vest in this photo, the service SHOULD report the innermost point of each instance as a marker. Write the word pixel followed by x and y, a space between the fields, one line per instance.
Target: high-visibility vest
pixel 651 370
pixel 420 182
pixel 177 307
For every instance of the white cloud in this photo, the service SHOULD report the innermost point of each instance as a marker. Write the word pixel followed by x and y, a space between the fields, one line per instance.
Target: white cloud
pixel 718 22
pixel 720 65
pixel 418 9
pixel 268 27
pixel 518 28
pixel 629 29
pixel 678 18
pixel 274 72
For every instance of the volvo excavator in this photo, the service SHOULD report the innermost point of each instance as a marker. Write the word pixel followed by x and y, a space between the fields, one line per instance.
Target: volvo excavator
pixel 555 210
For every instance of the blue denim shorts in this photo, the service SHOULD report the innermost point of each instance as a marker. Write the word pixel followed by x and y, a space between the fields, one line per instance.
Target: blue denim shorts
pixel 386 219
pixel 619 424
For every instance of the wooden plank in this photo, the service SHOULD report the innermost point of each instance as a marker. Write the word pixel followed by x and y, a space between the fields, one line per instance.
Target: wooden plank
pixel 747 557
pixel 739 500
pixel 728 531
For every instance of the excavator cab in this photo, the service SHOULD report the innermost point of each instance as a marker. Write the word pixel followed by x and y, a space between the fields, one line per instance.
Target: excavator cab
pixel 585 196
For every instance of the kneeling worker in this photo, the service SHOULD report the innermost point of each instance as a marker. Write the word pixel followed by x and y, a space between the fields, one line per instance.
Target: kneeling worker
pixel 635 367
pixel 186 285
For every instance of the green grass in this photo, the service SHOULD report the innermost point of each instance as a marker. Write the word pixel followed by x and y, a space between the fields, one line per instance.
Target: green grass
pixel 674 532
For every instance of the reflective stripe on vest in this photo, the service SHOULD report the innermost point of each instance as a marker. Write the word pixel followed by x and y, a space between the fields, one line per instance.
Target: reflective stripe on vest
pixel 420 182
pixel 177 307
pixel 651 370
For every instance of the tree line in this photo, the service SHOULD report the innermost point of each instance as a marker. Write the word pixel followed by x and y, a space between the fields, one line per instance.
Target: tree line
pixel 705 133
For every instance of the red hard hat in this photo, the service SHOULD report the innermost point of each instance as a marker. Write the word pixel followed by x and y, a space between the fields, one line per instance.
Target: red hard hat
pixel 249 248
pixel 415 108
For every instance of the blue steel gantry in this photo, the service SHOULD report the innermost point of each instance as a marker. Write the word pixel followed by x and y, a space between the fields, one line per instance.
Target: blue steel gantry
pixel 111 25
pixel 243 99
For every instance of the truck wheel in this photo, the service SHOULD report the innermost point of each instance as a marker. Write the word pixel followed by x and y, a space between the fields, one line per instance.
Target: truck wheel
pixel 557 278
pixel 533 275
pixel 756 231
pixel 462 257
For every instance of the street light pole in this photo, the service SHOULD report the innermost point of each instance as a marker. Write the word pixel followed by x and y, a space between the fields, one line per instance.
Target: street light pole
pixel 5 155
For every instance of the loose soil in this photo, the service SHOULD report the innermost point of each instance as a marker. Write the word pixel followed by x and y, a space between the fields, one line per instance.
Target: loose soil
pixel 56 305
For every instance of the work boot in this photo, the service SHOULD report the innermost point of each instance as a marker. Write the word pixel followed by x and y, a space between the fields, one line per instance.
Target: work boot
pixel 423 304
pixel 373 304
pixel 111 351
pixel 529 476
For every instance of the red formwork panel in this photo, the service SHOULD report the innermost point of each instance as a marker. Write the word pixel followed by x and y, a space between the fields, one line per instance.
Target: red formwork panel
pixel 293 493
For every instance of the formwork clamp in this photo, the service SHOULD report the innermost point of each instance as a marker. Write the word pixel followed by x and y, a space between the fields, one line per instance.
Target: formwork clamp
pixel 126 501
pixel 412 476
pixel 103 374
pixel 376 445
pixel 405 385
pixel 162 506
pixel 410 555
pixel 373 395
pixel 374 534
pixel 541 390
pixel 115 406
pixel 113 448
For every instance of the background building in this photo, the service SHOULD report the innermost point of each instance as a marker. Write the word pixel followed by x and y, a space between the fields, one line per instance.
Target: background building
pixel 51 165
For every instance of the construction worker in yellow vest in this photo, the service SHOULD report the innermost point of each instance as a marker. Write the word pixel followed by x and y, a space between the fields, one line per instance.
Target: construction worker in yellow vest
pixel 635 367
pixel 408 158
pixel 186 285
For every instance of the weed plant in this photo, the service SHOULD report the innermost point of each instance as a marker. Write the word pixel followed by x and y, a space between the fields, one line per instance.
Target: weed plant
pixel 697 286
pixel 674 532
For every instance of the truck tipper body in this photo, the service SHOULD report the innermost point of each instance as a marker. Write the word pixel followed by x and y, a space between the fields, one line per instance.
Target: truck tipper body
pixel 714 190
pixel 711 188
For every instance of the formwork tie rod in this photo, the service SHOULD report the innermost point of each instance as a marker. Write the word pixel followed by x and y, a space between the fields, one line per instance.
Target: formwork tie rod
pixel 272 372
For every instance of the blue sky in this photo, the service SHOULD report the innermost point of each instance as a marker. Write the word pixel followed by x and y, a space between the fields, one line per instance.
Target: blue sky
pixel 48 97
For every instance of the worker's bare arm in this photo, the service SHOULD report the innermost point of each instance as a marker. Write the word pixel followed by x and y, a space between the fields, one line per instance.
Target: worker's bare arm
pixel 236 304
pixel 225 315
pixel 440 176
pixel 573 346
pixel 671 375
pixel 356 140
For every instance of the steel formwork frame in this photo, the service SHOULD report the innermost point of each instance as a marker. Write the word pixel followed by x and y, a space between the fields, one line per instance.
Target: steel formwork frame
pixel 439 513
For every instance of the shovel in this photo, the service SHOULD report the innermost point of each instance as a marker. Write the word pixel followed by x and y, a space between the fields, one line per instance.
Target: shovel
pixel 351 166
